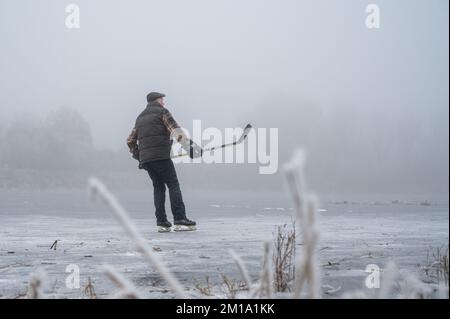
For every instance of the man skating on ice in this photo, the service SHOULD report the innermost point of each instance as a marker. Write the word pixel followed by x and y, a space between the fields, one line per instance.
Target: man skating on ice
pixel 150 142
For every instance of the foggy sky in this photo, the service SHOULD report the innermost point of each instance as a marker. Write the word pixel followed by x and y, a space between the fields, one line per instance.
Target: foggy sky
pixel 231 62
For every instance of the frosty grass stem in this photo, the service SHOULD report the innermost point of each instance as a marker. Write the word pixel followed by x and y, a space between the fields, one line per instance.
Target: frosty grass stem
pixel 127 289
pixel 96 187
pixel 305 205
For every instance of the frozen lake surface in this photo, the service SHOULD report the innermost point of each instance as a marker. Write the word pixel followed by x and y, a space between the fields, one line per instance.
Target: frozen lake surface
pixel 352 235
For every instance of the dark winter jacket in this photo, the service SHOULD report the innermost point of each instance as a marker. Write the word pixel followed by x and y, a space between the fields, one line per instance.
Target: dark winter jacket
pixel 150 139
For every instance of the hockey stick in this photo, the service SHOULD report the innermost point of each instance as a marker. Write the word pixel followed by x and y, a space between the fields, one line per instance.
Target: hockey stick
pixel 196 151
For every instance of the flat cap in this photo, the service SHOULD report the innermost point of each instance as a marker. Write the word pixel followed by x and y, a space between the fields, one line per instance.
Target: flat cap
pixel 153 96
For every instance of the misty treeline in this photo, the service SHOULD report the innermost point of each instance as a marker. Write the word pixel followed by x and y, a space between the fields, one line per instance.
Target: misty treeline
pixel 55 150
pixel 376 147
pixel 379 149
pixel 60 141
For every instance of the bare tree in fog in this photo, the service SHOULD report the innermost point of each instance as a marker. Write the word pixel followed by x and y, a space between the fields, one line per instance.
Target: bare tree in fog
pixel 60 141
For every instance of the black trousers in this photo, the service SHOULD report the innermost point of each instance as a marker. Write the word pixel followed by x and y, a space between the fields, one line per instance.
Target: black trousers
pixel 163 173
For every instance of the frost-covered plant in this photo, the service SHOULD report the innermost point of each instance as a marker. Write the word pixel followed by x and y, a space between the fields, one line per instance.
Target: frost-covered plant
pixel 307 267
pixel 438 267
pixel 127 290
pixel 443 267
pixel 35 287
pixel 230 286
pixel 283 258
pixel 97 188
pixel 397 285
pixel 243 271
pixel 205 289
pixel 89 290
pixel 266 281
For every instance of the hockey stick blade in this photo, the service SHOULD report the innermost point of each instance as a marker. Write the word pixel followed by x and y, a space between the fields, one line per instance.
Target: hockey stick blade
pixel 247 129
